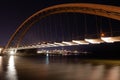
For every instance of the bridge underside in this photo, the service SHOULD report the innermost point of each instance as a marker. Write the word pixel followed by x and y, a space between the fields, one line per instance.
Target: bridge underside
pixel 27 51
pixel 96 51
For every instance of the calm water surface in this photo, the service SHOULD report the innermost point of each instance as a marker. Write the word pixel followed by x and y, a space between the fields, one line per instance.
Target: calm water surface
pixel 47 68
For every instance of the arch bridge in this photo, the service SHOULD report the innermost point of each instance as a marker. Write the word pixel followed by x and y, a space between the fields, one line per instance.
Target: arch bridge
pixel 107 11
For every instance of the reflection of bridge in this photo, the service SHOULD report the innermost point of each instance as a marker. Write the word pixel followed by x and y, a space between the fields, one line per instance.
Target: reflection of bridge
pixel 18 39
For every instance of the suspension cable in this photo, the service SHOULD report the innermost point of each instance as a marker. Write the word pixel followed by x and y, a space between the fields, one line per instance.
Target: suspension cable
pixel 61 20
pixel 110 26
pixel 97 26
pixel 75 24
pixel 67 27
pixel 85 22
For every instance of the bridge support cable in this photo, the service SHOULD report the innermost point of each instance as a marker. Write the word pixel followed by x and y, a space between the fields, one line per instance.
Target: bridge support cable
pixel 55 29
pixel 51 28
pixel 62 26
pixel 79 40
pixel 85 21
pixel 68 31
pixel 42 31
pixel 111 38
pixel 101 31
pixel 37 35
pixel 95 39
pixel 97 27
pixel 78 26
pixel 110 26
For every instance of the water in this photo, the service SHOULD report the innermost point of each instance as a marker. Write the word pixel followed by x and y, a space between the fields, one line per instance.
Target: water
pixel 39 68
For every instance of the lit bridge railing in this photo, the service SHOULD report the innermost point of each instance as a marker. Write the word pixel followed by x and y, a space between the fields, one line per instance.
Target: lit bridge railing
pixel 74 42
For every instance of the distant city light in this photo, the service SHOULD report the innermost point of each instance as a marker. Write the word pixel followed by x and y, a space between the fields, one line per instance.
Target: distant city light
pixel 47 54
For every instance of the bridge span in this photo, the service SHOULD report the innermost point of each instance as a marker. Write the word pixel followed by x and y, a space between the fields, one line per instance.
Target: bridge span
pixel 18 40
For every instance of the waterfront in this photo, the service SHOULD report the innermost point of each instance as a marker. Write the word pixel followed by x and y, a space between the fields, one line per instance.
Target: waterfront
pixel 56 68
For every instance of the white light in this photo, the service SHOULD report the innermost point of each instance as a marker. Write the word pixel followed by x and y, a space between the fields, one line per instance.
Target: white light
pixel 94 41
pixel 12 51
pixel 52 45
pixel 47 54
pixel 116 39
pixel 69 43
pixel 37 45
pixel 81 42
pixel 107 39
pixel 60 44
pixel 45 45
pixel 111 39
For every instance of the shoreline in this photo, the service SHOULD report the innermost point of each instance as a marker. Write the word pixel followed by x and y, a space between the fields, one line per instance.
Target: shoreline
pixel 101 61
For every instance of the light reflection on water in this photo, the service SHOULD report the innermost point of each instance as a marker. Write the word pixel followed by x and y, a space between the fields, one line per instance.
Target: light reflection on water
pixel 11 71
pixel 47 60
pixel 97 73
pixel 55 69
pixel 1 69
pixel 113 73
pixel 0 63
pixel 0 60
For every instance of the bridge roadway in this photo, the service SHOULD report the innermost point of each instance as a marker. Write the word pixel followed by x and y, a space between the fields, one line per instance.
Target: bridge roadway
pixel 65 43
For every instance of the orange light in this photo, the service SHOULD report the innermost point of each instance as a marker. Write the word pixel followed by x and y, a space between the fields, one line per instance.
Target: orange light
pixel 102 34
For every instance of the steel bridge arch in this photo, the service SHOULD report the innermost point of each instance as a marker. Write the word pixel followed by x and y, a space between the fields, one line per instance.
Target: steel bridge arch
pixel 87 8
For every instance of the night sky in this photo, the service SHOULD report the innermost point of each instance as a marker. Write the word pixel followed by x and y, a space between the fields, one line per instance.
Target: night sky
pixel 13 13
